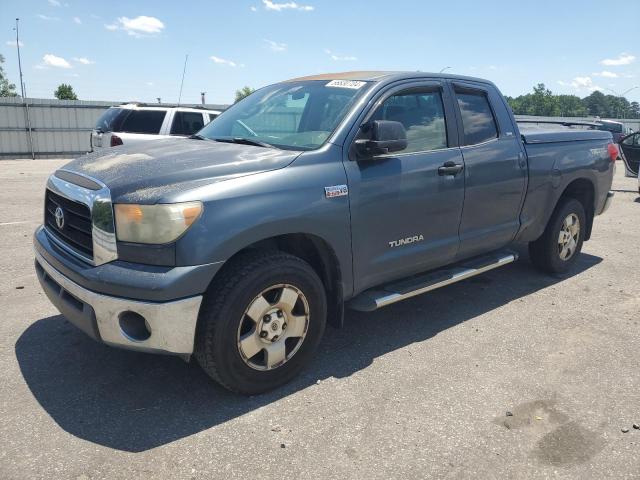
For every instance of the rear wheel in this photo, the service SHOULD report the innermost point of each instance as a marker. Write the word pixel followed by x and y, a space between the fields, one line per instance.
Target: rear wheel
pixel 559 246
pixel 261 322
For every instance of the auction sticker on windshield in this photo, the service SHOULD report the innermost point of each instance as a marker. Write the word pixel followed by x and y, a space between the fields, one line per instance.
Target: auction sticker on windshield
pixel 354 84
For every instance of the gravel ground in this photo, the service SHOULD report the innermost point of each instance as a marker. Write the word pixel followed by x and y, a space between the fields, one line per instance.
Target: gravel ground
pixel 420 389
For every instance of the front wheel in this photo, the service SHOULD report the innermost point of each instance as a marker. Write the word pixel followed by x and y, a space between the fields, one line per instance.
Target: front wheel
pixel 559 246
pixel 261 322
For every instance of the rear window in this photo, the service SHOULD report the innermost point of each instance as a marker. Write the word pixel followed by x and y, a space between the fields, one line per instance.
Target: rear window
pixel 143 121
pixel 477 118
pixel 110 119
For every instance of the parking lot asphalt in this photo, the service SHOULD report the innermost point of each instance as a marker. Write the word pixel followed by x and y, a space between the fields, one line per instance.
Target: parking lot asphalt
pixel 420 389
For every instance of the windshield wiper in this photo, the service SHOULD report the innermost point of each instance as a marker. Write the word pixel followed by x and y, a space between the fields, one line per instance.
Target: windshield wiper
pixel 244 141
pixel 195 136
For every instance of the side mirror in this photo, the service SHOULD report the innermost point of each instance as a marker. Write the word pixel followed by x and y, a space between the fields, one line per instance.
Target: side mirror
pixel 386 137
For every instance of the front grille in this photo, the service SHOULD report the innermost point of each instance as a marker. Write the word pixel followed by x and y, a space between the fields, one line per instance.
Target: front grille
pixel 76 230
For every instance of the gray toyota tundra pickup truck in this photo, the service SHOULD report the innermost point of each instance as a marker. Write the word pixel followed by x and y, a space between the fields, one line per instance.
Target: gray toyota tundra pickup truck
pixel 354 189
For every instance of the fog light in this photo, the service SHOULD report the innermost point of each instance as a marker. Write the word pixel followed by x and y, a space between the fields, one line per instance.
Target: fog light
pixel 134 326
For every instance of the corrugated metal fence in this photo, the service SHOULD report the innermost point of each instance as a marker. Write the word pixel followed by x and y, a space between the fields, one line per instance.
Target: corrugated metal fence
pixel 50 128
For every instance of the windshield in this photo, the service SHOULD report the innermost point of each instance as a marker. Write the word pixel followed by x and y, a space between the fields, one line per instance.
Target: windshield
pixel 290 115
pixel 611 127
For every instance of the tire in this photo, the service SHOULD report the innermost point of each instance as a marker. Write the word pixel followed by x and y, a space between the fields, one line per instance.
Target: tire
pixel 546 253
pixel 254 285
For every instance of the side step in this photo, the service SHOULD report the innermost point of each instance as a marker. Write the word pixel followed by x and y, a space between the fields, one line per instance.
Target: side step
pixel 379 297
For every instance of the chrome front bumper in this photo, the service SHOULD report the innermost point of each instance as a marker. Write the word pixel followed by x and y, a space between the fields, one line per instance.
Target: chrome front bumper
pixel 171 325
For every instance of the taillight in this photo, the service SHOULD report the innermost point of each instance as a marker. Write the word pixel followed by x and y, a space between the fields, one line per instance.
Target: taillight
pixel 613 151
pixel 115 140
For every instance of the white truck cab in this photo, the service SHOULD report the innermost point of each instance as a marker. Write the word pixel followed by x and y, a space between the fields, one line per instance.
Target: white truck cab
pixel 133 123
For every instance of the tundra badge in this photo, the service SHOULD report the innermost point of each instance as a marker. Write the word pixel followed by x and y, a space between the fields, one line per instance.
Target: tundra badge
pixel 406 241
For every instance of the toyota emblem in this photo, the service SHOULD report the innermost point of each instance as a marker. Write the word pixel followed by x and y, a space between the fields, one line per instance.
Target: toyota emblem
pixel 59 214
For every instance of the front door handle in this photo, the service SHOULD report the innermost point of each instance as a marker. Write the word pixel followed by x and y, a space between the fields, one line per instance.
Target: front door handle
pixel 450 168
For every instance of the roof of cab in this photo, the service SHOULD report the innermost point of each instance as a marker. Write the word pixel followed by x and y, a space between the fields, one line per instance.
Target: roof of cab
pixel 377 76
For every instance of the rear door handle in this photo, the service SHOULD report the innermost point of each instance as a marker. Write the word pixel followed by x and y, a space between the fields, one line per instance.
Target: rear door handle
pixel 450 168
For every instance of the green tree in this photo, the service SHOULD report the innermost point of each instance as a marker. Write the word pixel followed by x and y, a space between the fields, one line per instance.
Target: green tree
pixel 6 89
pixel 244 92
pixel 571 106
pixel 65 92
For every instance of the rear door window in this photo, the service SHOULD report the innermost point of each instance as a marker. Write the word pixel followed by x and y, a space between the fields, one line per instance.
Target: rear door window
pixel 186 123
pixel 478 121
pixel 143 121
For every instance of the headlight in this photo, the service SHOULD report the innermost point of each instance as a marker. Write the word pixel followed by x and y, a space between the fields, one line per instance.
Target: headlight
pixel 161 223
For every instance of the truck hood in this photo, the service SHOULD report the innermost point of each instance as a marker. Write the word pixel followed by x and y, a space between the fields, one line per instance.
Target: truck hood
pixel 150 173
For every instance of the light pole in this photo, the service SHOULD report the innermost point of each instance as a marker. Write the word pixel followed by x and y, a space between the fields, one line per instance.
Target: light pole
pixel 621 95
pixel 19 61
pixel 445 68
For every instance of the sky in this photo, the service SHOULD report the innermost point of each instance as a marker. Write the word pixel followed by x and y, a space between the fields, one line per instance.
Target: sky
pixel 135 50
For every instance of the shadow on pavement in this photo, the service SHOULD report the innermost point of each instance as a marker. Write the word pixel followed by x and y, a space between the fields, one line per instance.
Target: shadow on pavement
pixel 134 402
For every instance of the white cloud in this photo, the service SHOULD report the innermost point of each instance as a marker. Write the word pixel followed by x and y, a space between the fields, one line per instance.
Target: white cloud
pixel 269 5
pixel 254 9
pixel 275 46
pixel 54 3
pixel 77 20
pixel 222 61
pixel 149 84
pixel 54 61
pixel 137 27
pixel 84 60
pixel 12 43
pixel 340 58
pixel 581 83
pixel 622 59
pixel 605 74
pixel 46 18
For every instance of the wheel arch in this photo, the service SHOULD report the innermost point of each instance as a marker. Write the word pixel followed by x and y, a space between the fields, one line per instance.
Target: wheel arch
pixel 318 254
pixel 583 190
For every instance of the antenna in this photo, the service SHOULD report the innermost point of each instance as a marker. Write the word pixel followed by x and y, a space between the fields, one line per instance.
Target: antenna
pixel 186 57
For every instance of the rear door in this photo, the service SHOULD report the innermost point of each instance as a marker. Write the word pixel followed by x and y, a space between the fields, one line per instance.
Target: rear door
pixel 495 169
pixel 404 211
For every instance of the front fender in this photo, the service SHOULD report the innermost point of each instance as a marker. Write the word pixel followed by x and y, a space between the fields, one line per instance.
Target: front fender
pixel 241 212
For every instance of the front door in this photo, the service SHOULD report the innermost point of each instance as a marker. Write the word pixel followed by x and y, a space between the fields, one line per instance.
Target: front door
pixel 405 212
pixel 630 147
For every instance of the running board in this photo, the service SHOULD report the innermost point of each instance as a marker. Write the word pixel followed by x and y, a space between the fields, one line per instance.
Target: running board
pixel 379 297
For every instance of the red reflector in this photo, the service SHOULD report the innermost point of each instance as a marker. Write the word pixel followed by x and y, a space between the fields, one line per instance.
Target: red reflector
pixel 115 140
pixel 613 151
